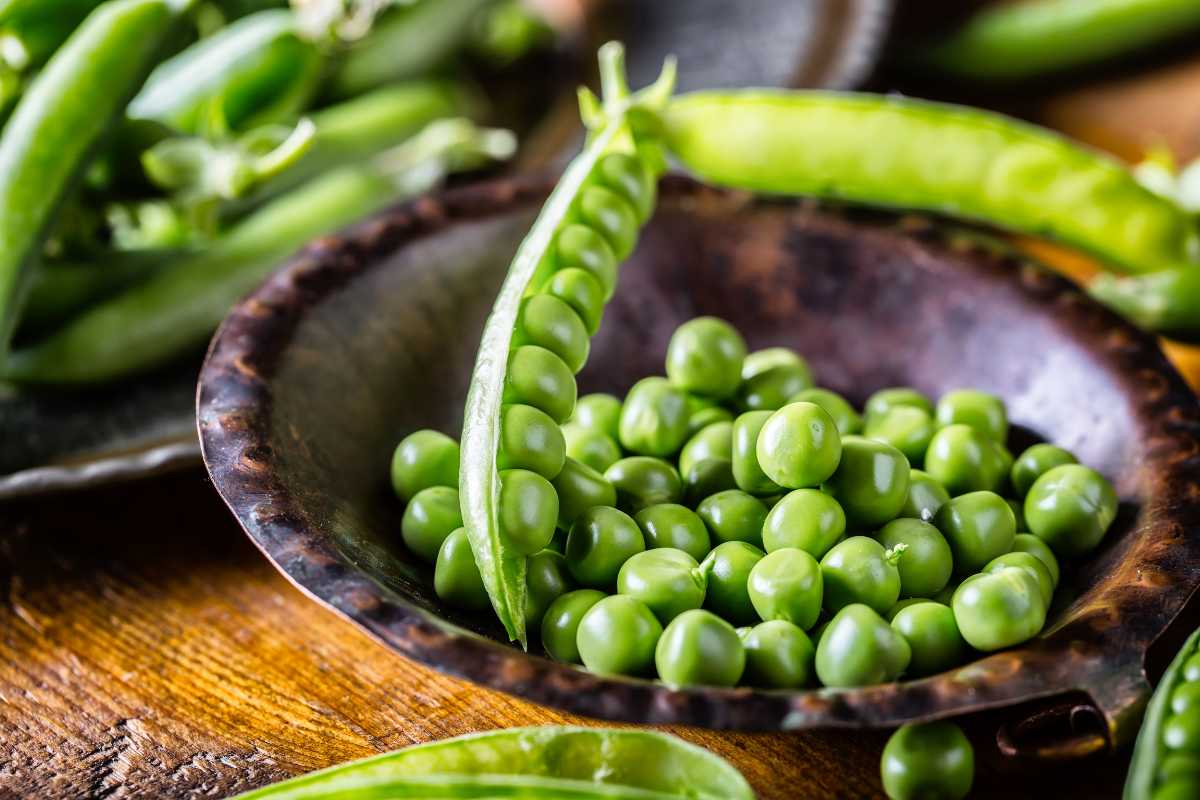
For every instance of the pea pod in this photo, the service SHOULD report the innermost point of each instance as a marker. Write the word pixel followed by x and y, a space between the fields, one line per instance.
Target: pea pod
pixel 913 154
pixel 58 124
pixel 1173 706
pixel 1166 303
pixel 550 761
pixel 509 372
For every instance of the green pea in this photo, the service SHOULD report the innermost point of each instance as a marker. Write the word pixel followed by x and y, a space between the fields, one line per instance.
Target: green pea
pixel 588 446
pixel 456 578
pixel 979 527
pixel 600 541
pixel 1004 465
pixel 424 458
pixel 946 596
pixel 799 446
pixel 714 441
pixel 579 488
pixel 612 217
pixel 627 176
pixel 860 570
pixel 858 648
pixel 538 378
pixel 528 510
pixel 925 496
pixel 580 290
pixel 1179 765
pixel 675 526
pixel 581 247
pixel 1031 564
pixel 906 428
pixel 431 516
pixel 779 655
pixel 1182 731
pixel 733 516
pixel 1018 509
pixel 1070 508
pixel 844 416
pixel 617 636
pixel 885 400
pixel 982 411
pixel 1028 543
pixel 1180 788
pixel 546 579
pixel 643 481
pixel 787 585
pixel 706 478
pixel 667 580
pixel 1185 696
pixel 560 623
pixel 932 636
pixel 770 377
pixel 530 440
pixel 999 609
pixel 870 483
pixel 746 470
pixel 705 356
pixel 701 418
pixel 547 322
pixel 926 761
pixel 698 648
pixel 727 570
pixel 1191 669
pixel 927 562
pixel 654 418
pixel 598 412
pixel 963 460
pixel 806 519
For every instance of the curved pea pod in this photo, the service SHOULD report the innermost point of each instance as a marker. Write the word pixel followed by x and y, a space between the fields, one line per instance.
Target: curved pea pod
pixel 1155 742
pixel 1166 303
pixel 550 761
pixel 510 371
pixel 913 154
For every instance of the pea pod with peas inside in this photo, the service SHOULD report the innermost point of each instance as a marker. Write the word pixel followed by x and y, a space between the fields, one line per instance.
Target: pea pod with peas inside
pixel 1166 757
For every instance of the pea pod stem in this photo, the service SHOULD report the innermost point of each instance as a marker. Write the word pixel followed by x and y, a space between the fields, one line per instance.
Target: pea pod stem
pixel 1149 749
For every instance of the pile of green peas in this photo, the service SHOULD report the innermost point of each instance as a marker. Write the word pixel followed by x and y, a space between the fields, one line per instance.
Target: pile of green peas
pixel 733 523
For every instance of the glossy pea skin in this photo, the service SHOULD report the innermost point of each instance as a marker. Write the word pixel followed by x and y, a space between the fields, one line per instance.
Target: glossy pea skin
pixel 546 579
pixel 431 516
pixel 547 322
pixel 799 446
pixel 927 562
pixel 701 418
pixel 706 478
pixel 770 377
pixel 979 526
pixel 746 470
pixel 982 411
pixel 579 289
pixel 591 447
pixel 538 378
pixel 560 623
pixel 643 481
pixel 654 418
pixel 727 569
pixel 581 247
pixel 779 655
pixel 612 216
pixel 787 585
pixel 626 175
pixel 598 412
pixel 528 510
pixel 906 428
pixel 617 636
pixel 963 460
pixel 674 526
pixel 530 439
pixel 1031 564
pixel 698 648
pixel 424 458
pixel 456 578
pixel 600 541
pixel 806 519
pixel 857 648
pixel 1070 508
pixel 999 609
pixel 579 488
pixel 712 441
pixel 667 580
pixel 932 636
pixel 705 356
pixel 928 761
pixel 885 400
pixel 733 516
pixel 844 416
pixel 925 496
pixel 859 570
pixel 870 483
pixel 1028 543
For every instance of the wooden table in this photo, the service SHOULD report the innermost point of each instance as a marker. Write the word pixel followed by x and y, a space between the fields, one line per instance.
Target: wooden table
pixel 147 650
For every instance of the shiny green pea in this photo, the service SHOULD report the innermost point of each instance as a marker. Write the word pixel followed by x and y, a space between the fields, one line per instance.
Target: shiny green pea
pixel 706 478
pixel 1031 564
pixel 587 446
pixel 617 636
pixel 1182 731
pixel 598 412
pixel 928 761
pixel 860 570
pixel 528 510
pixel 675 526
pixel 927 562
pixel 906 428
pixel 538 378
pixel 733 516
pixel 612 216
pixel 999 609
pixel 714 441
pixel 643 481
pixel 654 418
pixel 779 655
pixel 701 418
pixel 805 519
pixel 727 570
pixel 546 579
pixel 979 527
pixel 925 496
pixel 870 483
pixel 963 459
pixel 705 356
pixel 456 578
pixel 771 377
pixel 626 175
pixel 885 400
pixel 746 470
pixel 424 458
pixel 844 416
pixel 529 439
pixel 1028 543
pixel 798 446
pixel 667 580
pixel 560 623
pixel 547 322
pixel 600 541
pixel 932 636
pixel 431 516
pixel 787 585
pixel 982 411
pixel 579 289
pixel 581 247
pixel 579 488
pixel 1185 696
pixel 1070 508
pixel 857 648
pixel 698 648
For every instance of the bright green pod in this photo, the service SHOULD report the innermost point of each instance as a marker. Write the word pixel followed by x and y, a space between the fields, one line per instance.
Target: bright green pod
pixel 1153 748
pixel 538 378
pixel 580 247
pixel 529 439
pixel 549 323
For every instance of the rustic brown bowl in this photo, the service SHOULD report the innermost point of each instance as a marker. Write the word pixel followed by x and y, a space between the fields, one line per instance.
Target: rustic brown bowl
pixel 313 379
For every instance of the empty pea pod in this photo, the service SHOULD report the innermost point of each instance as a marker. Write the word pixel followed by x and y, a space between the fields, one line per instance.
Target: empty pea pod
pixel 606 190
pixel 1169 733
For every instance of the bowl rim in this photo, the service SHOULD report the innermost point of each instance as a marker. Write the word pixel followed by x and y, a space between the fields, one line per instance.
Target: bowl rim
pixel 233 414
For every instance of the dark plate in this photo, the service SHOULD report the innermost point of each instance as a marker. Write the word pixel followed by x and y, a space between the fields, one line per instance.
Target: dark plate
pixel 364 338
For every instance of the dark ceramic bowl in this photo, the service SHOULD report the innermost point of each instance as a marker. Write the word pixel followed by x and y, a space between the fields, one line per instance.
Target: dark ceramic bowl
pixel 313 379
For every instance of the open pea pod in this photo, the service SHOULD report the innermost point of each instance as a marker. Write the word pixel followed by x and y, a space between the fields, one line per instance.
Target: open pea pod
pixel 536 336
pixel 551 761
